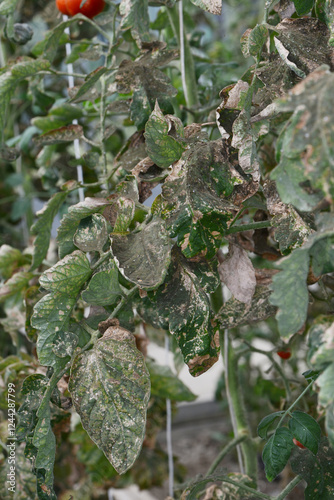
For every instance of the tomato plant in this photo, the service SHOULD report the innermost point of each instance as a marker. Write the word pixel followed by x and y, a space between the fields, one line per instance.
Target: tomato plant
pixel 160 183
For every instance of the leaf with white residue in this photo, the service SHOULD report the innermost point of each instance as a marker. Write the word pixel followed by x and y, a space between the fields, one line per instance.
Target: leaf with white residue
pixel 110 387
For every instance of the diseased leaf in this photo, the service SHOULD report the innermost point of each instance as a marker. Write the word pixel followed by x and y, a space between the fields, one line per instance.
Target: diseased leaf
pixel 51 317
pixel 91 81
pixel 11 259
pixel 110 387
pixel 306 143
pixel 8 7
pixel 238 274
pixel 125 210
pixel 284 55
pixel 322 255
pixel 17 283
pixel 162 148
pixel 143 257
pixel 235 313
pixel 195 199
pixel 182 306
pixel 68 275
pixel 70 221
pixel 60 135
pixel 103 288
pixel 306 430
pixel 325 12
pixel 165 384
pixel 252 40
pixel 276 452
pixel 316 471
pixel 92 234
pixel 290 288
pixel 42 227
pixel 212 6
pixel 321 343
pixel 135 16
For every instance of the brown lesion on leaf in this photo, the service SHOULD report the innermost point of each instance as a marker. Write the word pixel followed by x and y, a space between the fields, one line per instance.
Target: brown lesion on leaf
pixel 200 364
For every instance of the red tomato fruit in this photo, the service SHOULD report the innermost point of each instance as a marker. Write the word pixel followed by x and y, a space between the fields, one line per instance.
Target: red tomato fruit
pixel 284 354
pixel 297 443
pixel 61 6
pixel 90 9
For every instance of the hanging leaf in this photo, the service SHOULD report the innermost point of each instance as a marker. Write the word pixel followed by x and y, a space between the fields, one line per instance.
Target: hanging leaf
pixel 182 306
pixel 238 274
pixel 235 313
pixel 16 284
pixel 110 387
pixel 276 452
pixel 306 153
pixel 212 6
pixel 143 257
pixel 195 199
pixel 135 16
pixel 70 221
pixel 60 135
pixel 265 424
pixel 165 384
pixel 103 289
pixel 162 148
pixel 92 234
pixel 306 430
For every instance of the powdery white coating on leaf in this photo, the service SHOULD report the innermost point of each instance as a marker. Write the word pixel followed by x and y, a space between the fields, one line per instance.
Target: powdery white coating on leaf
pixel 212 6
pixel 238 274
pixel 110 387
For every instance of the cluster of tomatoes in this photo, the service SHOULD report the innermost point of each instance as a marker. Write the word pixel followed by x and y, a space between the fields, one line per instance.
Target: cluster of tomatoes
pixel 71 7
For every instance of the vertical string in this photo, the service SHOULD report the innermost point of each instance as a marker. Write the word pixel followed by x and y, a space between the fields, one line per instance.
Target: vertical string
pixel 75 122
pixel 169 432
pixel 182 59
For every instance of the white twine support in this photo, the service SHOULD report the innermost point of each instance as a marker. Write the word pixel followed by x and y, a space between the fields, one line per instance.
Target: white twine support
pixel 75 122
pixel 169 432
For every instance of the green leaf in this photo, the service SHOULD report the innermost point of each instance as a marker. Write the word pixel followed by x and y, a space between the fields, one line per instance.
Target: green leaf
pixel 125 213
pixel 252 40
pixel 303 6
pixel 10 260
pixel 42 227
pixel 212 6
pixel 325 12
pixel 51 317
pixel 8 7
pixel 182 306
pixel 322 255
pixel 91 81
pixel 143 257
pixel 165 384
pixel 310 128
pixel 92 234
pixel 290 288
pixel 140 109
pixel 326 385
pixel 320 343
pixel 135 16
pixel 68 275
pixel 103 288
pixel 235 313
pixel 266 422
pixel 70 221
pixel 316 471
pixel 306 430
pixel 195 199
pixel 110 387
pixel 17 283
pixel 60 135
pixel 162 148
pixel 276 452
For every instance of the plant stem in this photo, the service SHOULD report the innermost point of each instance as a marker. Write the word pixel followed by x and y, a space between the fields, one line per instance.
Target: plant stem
pixel 247 227
pixel 289 487
pixel 224 452
pixel 190 90
pixel 236 404
pixel 294 403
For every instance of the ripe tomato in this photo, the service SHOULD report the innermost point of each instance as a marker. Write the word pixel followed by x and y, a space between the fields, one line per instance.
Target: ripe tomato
pixel 300 445
pixel 61 6
pixel 284 354
pixel 90 9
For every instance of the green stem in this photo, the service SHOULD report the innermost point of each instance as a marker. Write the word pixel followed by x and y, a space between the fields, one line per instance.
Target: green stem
pixel 247 227
pixel 50 387
pixel 224 452
pixel 238 412
pixel 190 90
pixel 294 403
pixel 289 487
